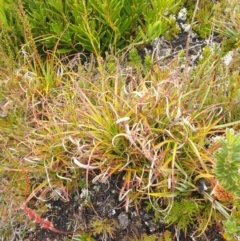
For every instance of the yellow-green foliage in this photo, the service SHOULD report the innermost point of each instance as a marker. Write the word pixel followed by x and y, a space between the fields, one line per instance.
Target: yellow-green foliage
pixel 184 214
pixel 227 162
pixel 96 26
pixel 128 116
pixel 151 128
pixel 227 24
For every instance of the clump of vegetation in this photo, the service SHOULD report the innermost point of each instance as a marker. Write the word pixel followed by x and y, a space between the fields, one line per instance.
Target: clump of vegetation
pixel 62 123
pixel 95 26
pixel 227 164
pixel 227 24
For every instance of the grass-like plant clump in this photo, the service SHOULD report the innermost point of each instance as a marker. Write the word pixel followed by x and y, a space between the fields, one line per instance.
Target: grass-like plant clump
pixel 169 132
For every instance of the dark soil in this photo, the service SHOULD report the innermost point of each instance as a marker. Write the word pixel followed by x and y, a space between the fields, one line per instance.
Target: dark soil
pixel 103 204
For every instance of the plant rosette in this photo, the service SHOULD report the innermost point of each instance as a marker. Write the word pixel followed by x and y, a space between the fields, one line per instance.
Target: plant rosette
pixel 227 168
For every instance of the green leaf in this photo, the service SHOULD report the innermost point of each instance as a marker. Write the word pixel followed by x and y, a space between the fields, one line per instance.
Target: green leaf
pixel 63 51
pixel 3 18
pixel 57 5
pixel 56 27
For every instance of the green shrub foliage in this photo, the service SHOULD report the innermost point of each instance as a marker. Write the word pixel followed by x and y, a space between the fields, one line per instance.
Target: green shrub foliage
pixel 227 167
pixel 95 25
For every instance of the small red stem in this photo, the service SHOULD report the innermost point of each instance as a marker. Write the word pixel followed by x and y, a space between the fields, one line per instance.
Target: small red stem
pixel 44 223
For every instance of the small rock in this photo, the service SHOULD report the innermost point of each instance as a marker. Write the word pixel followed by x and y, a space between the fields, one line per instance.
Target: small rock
pixel 123 220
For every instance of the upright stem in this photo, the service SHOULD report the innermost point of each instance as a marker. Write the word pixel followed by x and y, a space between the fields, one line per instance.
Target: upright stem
pixel 188 40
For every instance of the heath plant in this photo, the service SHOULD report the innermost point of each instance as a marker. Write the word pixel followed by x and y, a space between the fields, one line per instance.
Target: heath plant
pixel 226 171
pixel 227 162
pixel 94 26
pixel 151 126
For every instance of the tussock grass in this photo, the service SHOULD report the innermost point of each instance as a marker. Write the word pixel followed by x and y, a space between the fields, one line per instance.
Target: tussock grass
pixel 153 125
pixel 153 130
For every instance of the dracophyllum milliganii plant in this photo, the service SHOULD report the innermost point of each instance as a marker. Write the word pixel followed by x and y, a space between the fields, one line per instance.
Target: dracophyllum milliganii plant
pixel 227 167
pixel 96 26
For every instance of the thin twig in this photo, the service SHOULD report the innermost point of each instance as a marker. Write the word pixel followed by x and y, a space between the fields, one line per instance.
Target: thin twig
pixel 188 40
